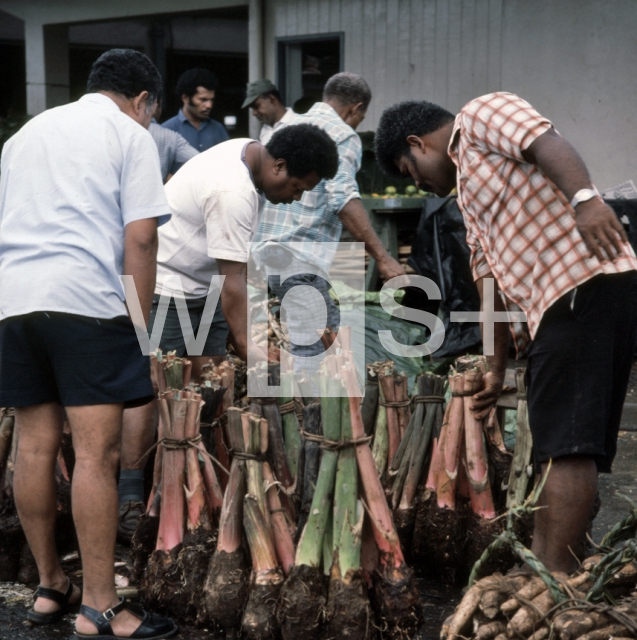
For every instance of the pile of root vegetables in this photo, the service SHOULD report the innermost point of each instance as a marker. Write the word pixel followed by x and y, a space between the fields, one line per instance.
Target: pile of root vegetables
pixel 598 602
pixel 288 531
pixel 292 516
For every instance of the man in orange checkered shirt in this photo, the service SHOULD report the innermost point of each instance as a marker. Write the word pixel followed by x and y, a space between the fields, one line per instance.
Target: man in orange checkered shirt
pixel 536 224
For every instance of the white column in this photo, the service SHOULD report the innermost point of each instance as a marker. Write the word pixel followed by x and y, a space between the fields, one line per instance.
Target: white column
pixel 47 66
pixel 255 52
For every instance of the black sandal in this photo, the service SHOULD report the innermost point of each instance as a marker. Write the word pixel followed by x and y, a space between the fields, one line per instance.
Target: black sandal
pixel 57 596
pixel 152 627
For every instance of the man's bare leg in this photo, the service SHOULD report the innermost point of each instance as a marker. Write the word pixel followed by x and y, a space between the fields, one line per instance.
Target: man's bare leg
pixel 97 434
pixel 34 486
pixel 568 497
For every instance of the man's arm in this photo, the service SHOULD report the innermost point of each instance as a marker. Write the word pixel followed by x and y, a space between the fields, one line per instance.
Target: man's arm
pixel 497 363
pixel 357 222
pixel 140 259
pixel 596 221
pixel 234 303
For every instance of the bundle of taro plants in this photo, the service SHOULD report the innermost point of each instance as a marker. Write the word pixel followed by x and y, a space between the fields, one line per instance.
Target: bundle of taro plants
pixel 173 374
pixel 325 587
pixel 189 506
pixel 596 603
pixel 241 589
pixel 392 418
pixel 456 515
pixel 410 460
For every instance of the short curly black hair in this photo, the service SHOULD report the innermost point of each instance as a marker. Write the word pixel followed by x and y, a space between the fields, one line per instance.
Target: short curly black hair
pixel 127 72
pixel 193 78
pixel 305 148
pixel 409 118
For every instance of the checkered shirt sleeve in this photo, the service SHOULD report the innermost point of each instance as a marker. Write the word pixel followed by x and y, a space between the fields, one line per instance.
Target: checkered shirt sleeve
pixel 520 226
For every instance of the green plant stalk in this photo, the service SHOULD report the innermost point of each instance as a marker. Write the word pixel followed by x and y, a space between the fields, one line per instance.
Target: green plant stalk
pixel 310 547
pixel 254 468
pixel 381 436
pixel 291 434
pixel 408 445
pixel 328 546
pixel 346 490
pixel 349 549
pixel 421 440
pixel 174 373
pixel 259 539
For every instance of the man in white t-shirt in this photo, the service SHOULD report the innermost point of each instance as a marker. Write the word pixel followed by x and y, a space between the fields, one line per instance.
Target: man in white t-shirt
pixel 80 198
pixel 216 200
pixel 267 107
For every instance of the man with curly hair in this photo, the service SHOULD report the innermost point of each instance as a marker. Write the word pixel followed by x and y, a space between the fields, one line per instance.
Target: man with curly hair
pixel 538 227
pixel 197 89
pixel 216 200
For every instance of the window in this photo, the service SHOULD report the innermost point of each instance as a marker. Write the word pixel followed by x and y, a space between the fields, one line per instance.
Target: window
pixel 305 63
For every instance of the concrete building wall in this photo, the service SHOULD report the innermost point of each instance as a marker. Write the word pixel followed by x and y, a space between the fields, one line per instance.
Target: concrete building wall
pixel 572 59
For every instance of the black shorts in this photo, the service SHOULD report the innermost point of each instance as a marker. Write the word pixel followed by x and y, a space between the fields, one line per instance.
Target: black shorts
pixel 172 337
pixel 72 360
pixel 578 370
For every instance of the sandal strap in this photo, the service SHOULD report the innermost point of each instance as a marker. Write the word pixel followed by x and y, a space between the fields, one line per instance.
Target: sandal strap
pixel 53 594
pixel 103 620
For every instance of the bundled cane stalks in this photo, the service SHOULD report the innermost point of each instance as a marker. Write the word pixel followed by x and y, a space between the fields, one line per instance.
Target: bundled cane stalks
pixel 190 501
pixel 457 507
pixel 409 463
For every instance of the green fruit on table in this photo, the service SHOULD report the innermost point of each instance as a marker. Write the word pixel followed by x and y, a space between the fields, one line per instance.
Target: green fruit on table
pixel 411 190
pixel 422 193
pixel 391 191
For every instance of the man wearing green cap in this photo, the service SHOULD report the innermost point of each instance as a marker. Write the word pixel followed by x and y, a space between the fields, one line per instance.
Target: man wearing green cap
pixel 267 107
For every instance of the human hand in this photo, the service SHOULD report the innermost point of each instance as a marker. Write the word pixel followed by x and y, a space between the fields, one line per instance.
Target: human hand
pixel 600 229
pixel 390 268
pixel 484 400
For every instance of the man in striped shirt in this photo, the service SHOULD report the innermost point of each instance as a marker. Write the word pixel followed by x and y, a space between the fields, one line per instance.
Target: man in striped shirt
pixel 291 237
pixel 536 224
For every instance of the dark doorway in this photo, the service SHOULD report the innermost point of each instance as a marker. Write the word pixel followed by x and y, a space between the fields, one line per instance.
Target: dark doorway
pixel 305 63
pixel 13 95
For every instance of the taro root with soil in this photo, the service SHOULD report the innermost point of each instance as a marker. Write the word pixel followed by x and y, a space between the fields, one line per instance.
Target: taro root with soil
pixel 189 504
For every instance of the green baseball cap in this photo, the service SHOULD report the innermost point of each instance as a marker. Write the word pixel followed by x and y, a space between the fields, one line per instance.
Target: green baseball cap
pixel 255 89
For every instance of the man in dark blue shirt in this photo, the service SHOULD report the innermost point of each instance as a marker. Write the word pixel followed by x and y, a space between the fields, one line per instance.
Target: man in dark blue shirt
pixel 197 90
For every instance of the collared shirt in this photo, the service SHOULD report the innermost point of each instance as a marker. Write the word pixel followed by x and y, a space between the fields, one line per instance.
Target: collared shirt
pixel 267 131
pixel 209 134
pixel 173 148
pixel 520 226
pixel 313 220
pixel 216 210
pixel 72 178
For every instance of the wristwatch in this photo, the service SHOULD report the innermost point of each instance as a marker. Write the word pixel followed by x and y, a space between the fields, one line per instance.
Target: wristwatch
pixel 583 195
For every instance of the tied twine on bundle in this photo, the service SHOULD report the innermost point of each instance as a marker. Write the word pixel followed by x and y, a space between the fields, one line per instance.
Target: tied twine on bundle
pixel 428 399
pixel 293 406
pixel 217 423
pixel 176 444
pixel 396 404
pixel 335 445
pixel 244 455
